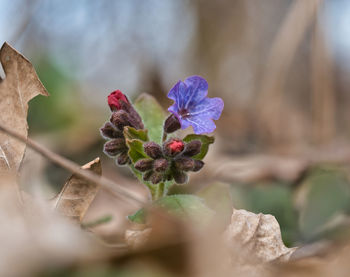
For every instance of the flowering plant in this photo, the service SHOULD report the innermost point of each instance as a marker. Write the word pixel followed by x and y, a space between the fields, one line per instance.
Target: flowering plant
pixel 141 137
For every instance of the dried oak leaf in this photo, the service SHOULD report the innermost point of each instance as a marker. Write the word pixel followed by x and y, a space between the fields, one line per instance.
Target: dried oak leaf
pixel 19 86
pixel 255 238
pixel 78 193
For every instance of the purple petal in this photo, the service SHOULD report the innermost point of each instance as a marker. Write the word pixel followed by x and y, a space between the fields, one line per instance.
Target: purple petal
pixel 197 90
pixel 178 94
pixel 208 107
pixel 200 124
pixel 174 110
pixel 184 123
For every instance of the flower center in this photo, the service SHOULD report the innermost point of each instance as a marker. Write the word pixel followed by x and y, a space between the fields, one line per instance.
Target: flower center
pixel 184 113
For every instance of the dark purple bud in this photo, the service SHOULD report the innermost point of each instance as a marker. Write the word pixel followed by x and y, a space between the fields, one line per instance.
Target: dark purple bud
pixel 109 131
pixel 114 146
pixel 160 165
pixel 184 163
pixel 156 177
pixel 192 148
pixel 153 150
pixel 180 177
pixel 171 124
pixel 197 165
pixel 144 165
pixel 134 117
pixel 120 119
pixel 123 159
pixel 147 175
pixel 172 147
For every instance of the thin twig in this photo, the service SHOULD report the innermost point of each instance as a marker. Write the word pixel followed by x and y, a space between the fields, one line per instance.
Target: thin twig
pixel 109 185
pixel 114 188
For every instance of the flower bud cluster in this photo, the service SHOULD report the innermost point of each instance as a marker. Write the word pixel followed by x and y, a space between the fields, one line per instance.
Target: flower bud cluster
pixel 170 161
pixel 123 114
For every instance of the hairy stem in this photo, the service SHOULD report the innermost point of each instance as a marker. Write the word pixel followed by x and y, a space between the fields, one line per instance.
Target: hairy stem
pixel 159 191
pixel 164 137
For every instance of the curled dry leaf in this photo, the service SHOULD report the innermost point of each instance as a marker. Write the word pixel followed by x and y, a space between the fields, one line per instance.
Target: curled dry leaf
pixel 255 238
pixel 78 193
pixel 19 86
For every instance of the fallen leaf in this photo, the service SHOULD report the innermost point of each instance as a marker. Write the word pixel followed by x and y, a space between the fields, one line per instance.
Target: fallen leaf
pixel 78 193
pixel 34 237
pixel 19 86
pixel 255 238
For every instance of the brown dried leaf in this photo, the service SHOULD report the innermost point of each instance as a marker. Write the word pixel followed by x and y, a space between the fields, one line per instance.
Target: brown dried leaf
pixel 255 238
pixel 20 85
pixel 78 193
pixel 33 237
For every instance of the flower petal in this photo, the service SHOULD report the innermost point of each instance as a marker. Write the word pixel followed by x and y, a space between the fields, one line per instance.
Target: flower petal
pixel 184 124
pixel 197 90
pixel 200 124
pixel 178 94
pixel 208 107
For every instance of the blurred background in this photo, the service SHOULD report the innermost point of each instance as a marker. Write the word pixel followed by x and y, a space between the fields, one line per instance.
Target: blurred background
pixel 282 143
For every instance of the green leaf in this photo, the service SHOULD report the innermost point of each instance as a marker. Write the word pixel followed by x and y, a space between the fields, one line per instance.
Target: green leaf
pixel 205 140
pixel 152 115
pixel 132 133
pixel 324 194
pixel 184 206
pixel 136 151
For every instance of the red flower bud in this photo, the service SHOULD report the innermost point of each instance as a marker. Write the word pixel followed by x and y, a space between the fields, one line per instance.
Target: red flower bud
pixel 173 147
pixel 114 100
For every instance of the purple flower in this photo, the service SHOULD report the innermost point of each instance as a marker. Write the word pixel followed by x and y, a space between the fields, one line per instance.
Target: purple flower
pixel 192 107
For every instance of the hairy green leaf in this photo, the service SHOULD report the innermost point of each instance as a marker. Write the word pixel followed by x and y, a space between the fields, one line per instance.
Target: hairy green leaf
pixel 184 206
pixel 136 151
pixel 132 133
pixel 205 140
pixel 152 115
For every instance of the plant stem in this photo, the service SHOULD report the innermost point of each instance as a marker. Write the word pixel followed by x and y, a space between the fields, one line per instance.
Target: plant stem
pixel 165 135
pixel 160 191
